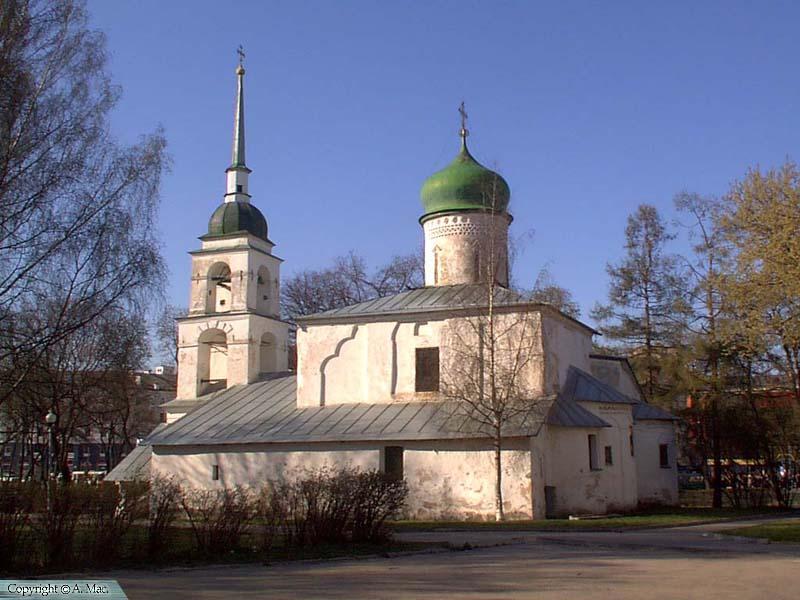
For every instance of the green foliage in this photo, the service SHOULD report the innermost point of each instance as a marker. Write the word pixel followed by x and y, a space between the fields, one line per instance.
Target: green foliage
pixel 761 222
pixel 645 310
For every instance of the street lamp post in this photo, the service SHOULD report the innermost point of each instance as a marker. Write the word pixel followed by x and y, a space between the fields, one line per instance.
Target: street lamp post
pixel 50 419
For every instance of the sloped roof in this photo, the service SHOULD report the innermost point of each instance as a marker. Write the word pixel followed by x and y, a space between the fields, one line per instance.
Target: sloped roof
pixel 565 413
pixel 266 412
pixel 431 299
pixel 580 386
pixel 648 412
pixel 134 466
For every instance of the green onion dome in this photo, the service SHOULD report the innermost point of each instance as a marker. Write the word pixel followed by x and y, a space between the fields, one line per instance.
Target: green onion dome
pixel 237 217
pixel 465 184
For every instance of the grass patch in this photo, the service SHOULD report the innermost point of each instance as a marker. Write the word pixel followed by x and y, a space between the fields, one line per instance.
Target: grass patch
pixel 667 518
pixel 788 531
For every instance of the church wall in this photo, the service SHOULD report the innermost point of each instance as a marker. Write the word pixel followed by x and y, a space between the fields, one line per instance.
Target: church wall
pixel 446 478
pixel 656 485
pixel 455 479
pixel 254 465
pixel 375 362
pixel 581 490
pixel 565 344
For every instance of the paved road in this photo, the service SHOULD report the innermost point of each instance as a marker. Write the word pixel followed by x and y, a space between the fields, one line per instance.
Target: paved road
pixel 674 563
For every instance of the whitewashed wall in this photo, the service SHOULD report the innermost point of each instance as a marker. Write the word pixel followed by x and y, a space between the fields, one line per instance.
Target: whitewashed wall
pixel 580 490
pixel 447 479
pixel 657 485
pixel 375 362
pixel 565 344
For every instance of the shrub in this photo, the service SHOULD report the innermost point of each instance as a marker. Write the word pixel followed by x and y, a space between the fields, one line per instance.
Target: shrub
pixel 328 498
pixel 327 505
pixel 17 500
pixel 61 506
pixel 272 509
pixel 110 512
pixel 219 517
pixel 164 505
pixel 377 498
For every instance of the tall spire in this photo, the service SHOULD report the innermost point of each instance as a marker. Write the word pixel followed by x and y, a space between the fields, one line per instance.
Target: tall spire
pixel 237 158
pixel 238 171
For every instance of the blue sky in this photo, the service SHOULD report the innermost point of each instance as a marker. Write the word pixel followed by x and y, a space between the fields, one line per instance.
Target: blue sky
pixel 586 108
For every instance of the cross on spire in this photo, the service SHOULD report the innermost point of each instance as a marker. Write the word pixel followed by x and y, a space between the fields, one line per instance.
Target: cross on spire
pixel 464 131
pixel 240 52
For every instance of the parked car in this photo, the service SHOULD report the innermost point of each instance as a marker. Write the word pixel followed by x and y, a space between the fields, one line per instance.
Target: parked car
pixel 690 479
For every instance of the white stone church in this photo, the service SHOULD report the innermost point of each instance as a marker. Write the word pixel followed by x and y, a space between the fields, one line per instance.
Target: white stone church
pixel 367 391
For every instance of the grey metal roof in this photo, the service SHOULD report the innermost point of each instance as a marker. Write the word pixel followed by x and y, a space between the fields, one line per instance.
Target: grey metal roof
pixel 565 413
pixel 134 466
pixel 431 299
pixel 266 412
pixel 580 386
pixel 648 412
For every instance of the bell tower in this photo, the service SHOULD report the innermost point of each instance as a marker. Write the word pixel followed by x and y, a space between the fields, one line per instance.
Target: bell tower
pixel 233 332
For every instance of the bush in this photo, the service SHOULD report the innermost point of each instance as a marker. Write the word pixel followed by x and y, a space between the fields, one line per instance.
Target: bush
pixel 110 512
pixel 164 505
pixel 272 509
pixel 377 498
pixel 219 517
pixel 327 505
pixel 17 501
pixel 57 526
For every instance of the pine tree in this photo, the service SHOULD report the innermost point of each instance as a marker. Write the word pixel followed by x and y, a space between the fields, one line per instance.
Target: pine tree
pixel 645 308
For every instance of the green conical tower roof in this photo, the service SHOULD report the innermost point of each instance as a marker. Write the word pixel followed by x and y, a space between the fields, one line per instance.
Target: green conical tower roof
pixel 464 184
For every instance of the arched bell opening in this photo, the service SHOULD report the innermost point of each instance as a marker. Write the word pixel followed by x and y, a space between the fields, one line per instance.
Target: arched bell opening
pixel 212 361
pixel 268 353
pixel 264 290
pixel 219 288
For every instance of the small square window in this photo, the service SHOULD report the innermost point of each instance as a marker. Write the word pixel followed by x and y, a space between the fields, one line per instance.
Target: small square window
pixel 238 188
pixel 609 456
pixel 427 370
pixel 215 472
pixel 663 456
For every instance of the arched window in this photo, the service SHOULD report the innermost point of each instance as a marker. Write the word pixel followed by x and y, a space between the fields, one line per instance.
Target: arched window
pixel 268 354
pixel 219 288
pixel 263 290
pixel 212 361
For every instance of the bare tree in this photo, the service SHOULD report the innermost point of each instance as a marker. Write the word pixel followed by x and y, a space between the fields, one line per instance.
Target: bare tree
pixel 166 331
pixel 489 372
pixel 77 209
pixel 549 292
pixel 86 379
pixel 347 282
pixel 492 358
